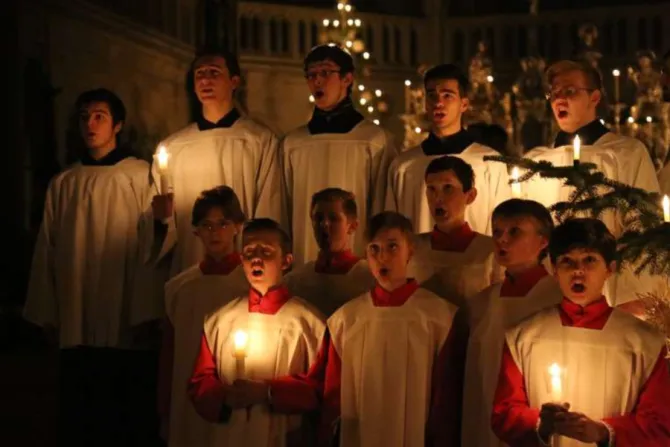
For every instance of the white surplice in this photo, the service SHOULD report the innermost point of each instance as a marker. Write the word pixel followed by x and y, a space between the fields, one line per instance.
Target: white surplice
pixel 356 161
pixel 387 356
pixel 492 315
pixel 243 157
pixel 328 292
pixel 603 371
pixel 87 269
pixel 189 298
pixel 278 345
pixel 664 179
pixel 454 275
pixel 407 187
pixel 619 158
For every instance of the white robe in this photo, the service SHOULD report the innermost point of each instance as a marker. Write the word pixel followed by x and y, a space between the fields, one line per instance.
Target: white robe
pixel 279 345
pixel 619 158
pixel 328 292
pixel 453 275
pixel 387 356
pixel 491 317
pixel 407 187
pixel 87 279
pixel 189 298
pixel 603 370
pixel 243 156
pixel 356 161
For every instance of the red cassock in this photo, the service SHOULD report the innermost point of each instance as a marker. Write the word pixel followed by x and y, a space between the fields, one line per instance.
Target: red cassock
pixel 614 370
pixel 388 372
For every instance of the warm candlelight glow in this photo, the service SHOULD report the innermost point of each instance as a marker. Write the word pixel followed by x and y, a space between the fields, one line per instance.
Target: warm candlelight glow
pixel 649 119
pixel 240 339
pixel 516 186
pixel 363 101
pixel 326 22
pixel 631 120
pixel 489 78
pixel 366 55
pixel 666 208
pixel 556 385
pixel 417 129
pixel 376 122
pixel 576 146
pixel 378 93
pixel 371 109
pixel 311 98
pixel 408 82
pixel 361 87
pixel 616 72
pixel 162 156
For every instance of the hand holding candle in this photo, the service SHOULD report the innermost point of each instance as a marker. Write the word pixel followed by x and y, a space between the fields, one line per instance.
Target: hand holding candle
pixel 516 186
pixel 576 149
pixel 240 340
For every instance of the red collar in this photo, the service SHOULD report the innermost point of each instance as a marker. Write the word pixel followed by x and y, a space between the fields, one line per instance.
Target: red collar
pixel 210 266
pixel 395 298
pixel 338 263
pixel 271 302
pixel 592 316
pixel 457 240
pixel 520 285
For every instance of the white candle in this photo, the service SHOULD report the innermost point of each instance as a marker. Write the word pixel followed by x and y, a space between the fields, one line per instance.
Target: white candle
pixel 162 157
pixel 516 186
pixel 616 73
pixel 240 340
pixel 556 385
pixel 576 147
pixel 666 208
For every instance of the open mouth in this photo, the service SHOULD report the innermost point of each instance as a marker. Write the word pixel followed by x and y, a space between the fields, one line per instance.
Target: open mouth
pixel 577 287
pixel 502 252
pixel 319 94
pixel 384 271
pixel 439 115
pixel 440 212
pixel 257 269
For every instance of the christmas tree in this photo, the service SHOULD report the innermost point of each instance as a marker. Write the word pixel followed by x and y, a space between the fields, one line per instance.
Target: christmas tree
pixel 345 31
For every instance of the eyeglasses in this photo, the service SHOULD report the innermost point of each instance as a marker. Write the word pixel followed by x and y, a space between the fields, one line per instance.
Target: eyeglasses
pixel 566 92
pixel 312 75
pixel 214 226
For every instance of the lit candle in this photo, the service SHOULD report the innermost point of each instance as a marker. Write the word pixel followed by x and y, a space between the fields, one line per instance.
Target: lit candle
pixel 556 385
pixel 666 208
pixel 162 157
pixel 240 340
pixel 576 146
pixel 516 186
pixel 408 96
pixel 616 73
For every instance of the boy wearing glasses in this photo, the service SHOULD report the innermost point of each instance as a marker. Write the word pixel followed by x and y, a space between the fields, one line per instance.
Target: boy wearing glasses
pixel 220 147
pixel 217 219
pixel 575 89
pixel 446 101
pixel 336 148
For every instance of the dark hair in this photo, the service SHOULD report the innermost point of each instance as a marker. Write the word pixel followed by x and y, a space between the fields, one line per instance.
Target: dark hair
pixel 116 106
pixel 334 195
pixel 265 224
pixel 462 170
pixel 582 233
pixel 387 220
pixel 448 71
pixel 222 197
pixel 333 53
pixel 592 75
pixel 527 208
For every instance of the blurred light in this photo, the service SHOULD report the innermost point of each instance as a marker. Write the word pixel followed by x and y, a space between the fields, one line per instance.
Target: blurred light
pixel 408 82
pixel 616 72
pixel 417 129
pixel 350 22
pixel 649 119
pixel 349 44
pixel 371 109
pixel 361 87
pixel 311 98
pixel 336 23
pixel 363 101
pixel 347 8
pixel 366 55
pixel 602 121
pixel 358 22
pixel 489 78
pixel 326 22
pixel 631 119
pixel 376 122
pixel 378 93
pixel 340 6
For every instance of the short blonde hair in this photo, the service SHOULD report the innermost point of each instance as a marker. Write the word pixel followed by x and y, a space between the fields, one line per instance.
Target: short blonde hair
pixel 593 79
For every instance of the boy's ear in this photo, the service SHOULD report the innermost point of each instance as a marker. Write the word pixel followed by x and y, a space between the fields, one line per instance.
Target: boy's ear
pixel 238 228
pixel 353 225
pixel 471 196
pixel 611 267
pixel 287 261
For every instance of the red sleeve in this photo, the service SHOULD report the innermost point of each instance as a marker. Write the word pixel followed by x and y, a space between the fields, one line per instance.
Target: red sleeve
pixel 649 423
pixel 513 421
pixel 165 364
pixel 320 387
pixel 205 388
pixel 444 420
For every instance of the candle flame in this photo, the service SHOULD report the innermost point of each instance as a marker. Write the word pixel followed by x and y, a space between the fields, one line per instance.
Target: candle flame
pixel 666 208
pixel 616 72
pixel 162 157
pixel 515 173
pixel 554 370
pixel 241 339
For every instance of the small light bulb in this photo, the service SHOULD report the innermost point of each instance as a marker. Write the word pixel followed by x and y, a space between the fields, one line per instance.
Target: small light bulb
pixel 616 72
pixel 366 55
pixel 417 129
pixel 347 8
pixel 489 78
pixel 326 22
pixel 408 82
pixel 378 93
pixel 376 122
pixel 649 119
pixel 631 119
pixel 336 23
pixel 371 109
pixel 361 87
pixel 358 22
pixel 311 98
pixel 363 101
